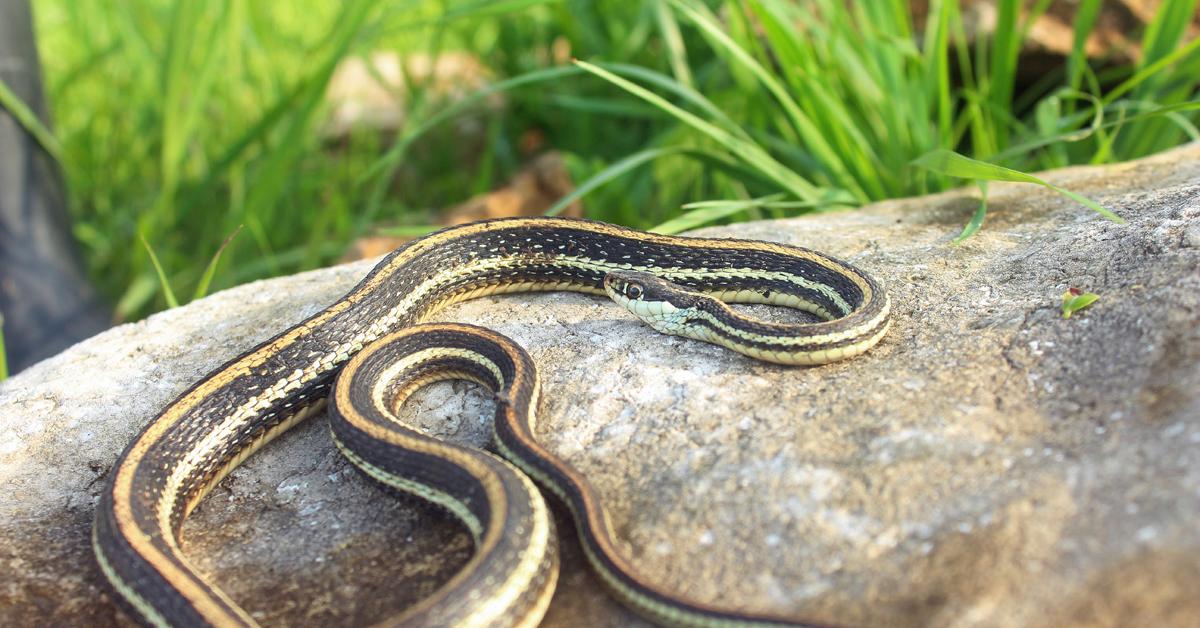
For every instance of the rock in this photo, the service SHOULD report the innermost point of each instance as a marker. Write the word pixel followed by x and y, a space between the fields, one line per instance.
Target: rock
pixel 989 463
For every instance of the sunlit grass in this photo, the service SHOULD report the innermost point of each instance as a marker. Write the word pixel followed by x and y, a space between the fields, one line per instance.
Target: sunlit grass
pixel 844 99
pixel 182 121
pixel 3 354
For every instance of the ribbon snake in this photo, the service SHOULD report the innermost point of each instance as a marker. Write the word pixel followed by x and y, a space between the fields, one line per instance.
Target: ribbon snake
pixel 368 351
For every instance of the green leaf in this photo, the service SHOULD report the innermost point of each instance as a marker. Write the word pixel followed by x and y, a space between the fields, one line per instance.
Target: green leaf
pixel 812 135
pixel 705 212
pixel 185 91
pixel 211 269
pixel 3 355
pixel 1073 300
pixel 951 163
pixel 972 226
pixel 392 157
pixel 1166 30
pixel 278 167
pixel 745 150
pixel 1085 23
pixel 937 64
pixel 136 295
pixel 701 216
pixel 1006 46
pixel 408 231
pixel 1097 125
pixel 1150 70
pixel 168 293
pixel 489 8
pixel 689 94
pixel 673 40
pixel 25 116
pixel 613 171
pixel 601 106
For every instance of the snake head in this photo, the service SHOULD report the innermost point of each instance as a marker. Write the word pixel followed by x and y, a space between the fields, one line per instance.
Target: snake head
pixel 663 305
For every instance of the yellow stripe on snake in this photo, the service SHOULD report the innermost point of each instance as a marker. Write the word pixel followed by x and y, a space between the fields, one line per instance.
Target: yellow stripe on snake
pixel 374 337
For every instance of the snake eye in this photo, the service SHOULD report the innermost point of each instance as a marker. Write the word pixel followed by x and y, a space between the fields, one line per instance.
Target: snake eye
pixel 633 291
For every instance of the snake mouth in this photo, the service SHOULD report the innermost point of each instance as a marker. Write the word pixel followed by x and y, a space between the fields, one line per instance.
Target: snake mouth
pixel 618 288
pixel 614 281
pixel 610 282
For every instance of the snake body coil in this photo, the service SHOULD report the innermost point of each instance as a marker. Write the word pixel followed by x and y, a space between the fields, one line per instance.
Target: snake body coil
pixel 209 429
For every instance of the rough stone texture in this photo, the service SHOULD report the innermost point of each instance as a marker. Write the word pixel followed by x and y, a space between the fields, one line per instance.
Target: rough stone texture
pixel 990 463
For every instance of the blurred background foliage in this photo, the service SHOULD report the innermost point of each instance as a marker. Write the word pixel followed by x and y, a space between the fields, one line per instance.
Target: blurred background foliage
pixel 179 123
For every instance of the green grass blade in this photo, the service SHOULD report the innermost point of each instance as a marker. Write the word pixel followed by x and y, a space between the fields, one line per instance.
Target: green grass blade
pixel 701 216
pixel 137 294
pixel 1185 125
pixel 490 8
pixel 211 269
pixel 705 212
pixel 408 231
pixel 1106 141
pixel 972 227
pixel 237 149
pixel 602 106
pixel 1082 134
pixel 951 163
pixel 673 40
pixel 936 61
pixel 277 168
pixel 1166 30
pixel 1162 37
pixel 3 353
pixel 743 149
pixel 289 257
pixel 831 113
pixel 185 116
pixel 611 172
pixel 394 154
pixel 30 122
pixel 1047 115
pixel 1074 300
pixel 1006 46
pixel 761 201
pixel 1085 24
pixel 688 94
pixel 165 285
pixel 1150 70
pixel 176 79
pixel 809 132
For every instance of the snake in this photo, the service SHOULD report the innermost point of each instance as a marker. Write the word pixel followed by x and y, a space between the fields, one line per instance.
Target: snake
pixel 367 352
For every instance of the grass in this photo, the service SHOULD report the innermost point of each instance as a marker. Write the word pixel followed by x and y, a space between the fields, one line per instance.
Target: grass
pixel 1075 299
pixel 3 355
pixel 180 122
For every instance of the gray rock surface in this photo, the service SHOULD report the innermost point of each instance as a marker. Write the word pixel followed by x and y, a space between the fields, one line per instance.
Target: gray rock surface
pixel 989 463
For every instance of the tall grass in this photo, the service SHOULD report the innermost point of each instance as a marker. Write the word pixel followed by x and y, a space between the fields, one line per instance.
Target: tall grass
pixel 3 355
pixel 181 122
pixel 844 97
